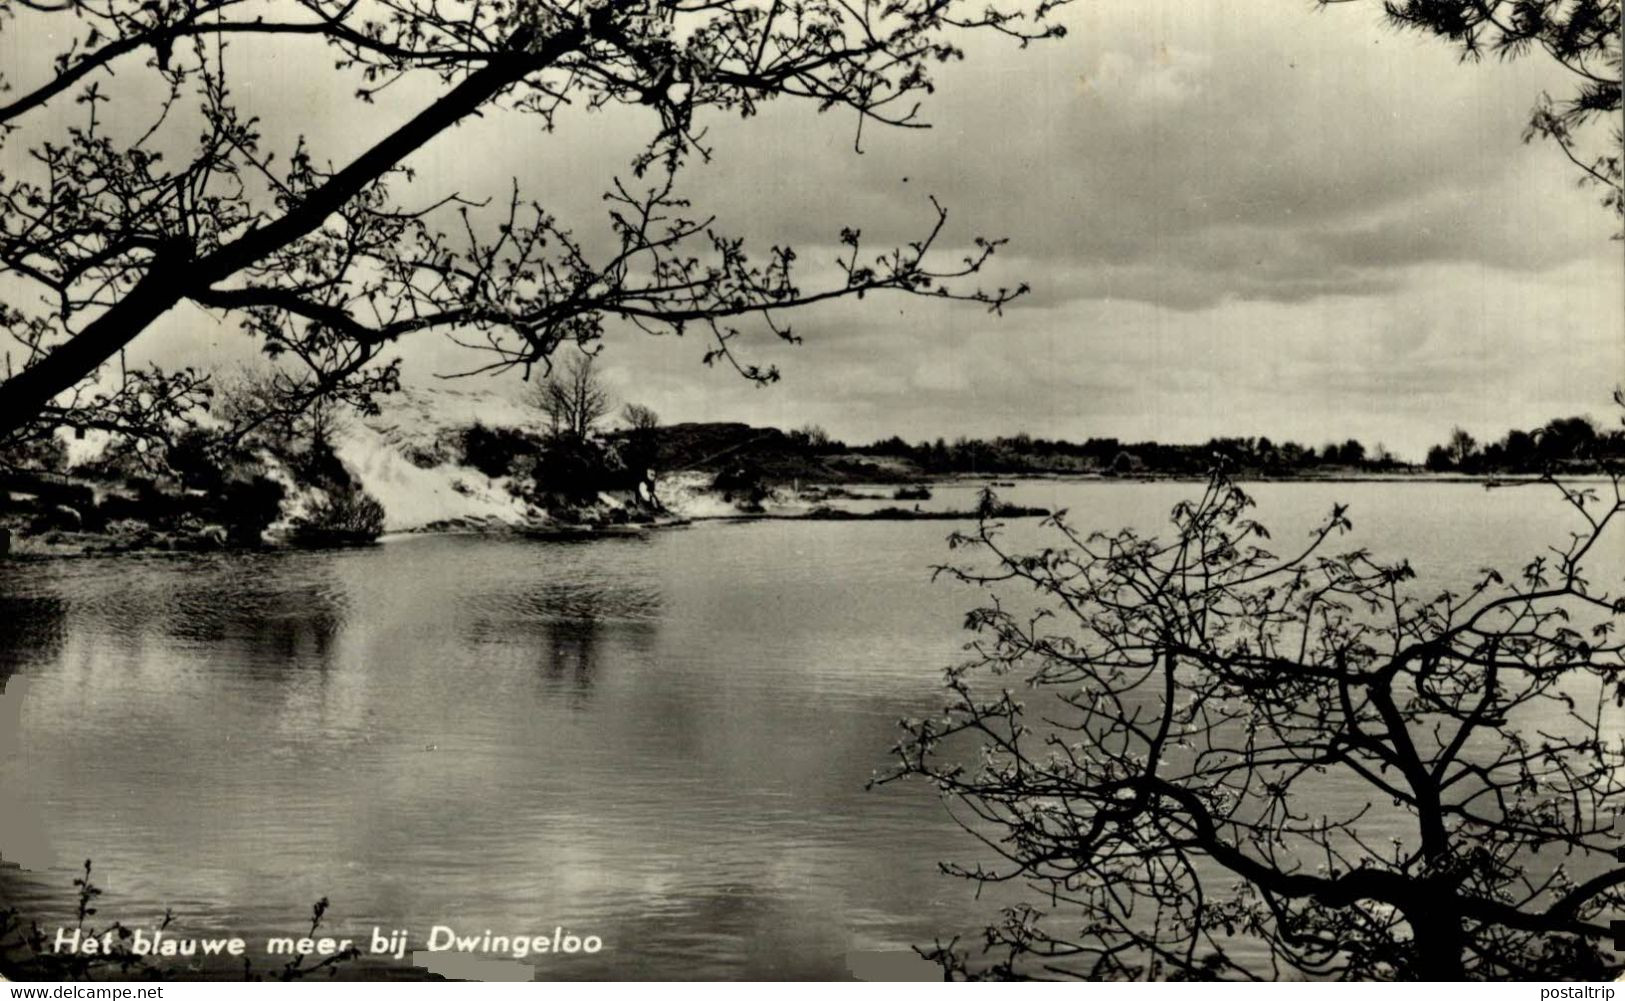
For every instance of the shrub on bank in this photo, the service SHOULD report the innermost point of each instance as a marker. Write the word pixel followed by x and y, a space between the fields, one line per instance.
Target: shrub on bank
pixel 577 470
pixel 248 507
pixel 342 518
pixel 742 483
pixel 493 450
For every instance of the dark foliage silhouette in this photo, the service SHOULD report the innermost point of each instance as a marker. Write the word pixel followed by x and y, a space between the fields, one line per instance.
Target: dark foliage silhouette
pixel 115 216
pixel 1232 763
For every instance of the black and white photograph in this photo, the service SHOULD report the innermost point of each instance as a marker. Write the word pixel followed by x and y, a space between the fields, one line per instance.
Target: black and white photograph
pixel 812 490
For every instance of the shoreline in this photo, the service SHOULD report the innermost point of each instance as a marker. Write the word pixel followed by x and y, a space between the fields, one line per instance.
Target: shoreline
pixel 1489 480
pixel 84 545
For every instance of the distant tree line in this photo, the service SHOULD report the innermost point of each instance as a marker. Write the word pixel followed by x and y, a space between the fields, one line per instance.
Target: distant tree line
pixel 1567 443
pixel 1024 453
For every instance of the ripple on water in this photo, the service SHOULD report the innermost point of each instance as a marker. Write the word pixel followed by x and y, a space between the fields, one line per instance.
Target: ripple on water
pixel 663 740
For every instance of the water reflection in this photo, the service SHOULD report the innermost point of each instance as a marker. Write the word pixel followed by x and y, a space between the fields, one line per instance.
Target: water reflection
pixel 665 742
pixel 572 654
pixel 571 628
pixel 32 628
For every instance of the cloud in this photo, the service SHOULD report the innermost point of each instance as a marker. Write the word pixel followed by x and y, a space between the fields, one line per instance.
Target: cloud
pixel 1236 218
pixel 1157 83
pixel 1454 344
pixel 1185 154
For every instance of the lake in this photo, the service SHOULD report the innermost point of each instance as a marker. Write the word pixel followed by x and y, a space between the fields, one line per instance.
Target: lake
pixel 663 742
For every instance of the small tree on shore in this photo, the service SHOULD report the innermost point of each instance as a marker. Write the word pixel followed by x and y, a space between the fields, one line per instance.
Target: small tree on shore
pixel 1229 763
pixel 640 419
pixel 1461 448
pixel 573 398
pixel 641 451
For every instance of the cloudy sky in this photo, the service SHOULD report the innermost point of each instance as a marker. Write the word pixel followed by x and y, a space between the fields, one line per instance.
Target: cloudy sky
pixel 1237 218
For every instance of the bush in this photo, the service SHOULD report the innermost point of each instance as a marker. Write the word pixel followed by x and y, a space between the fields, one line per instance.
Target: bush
pixel 319 466
pixel 142 499
pixel 345 518
pixel 640 453
pixel 493 450
pixel 577 469
pixel 1127 464
pixel 914 493
pixel 249 507
pixel 742 483
pixel 196 460
pixel 432 454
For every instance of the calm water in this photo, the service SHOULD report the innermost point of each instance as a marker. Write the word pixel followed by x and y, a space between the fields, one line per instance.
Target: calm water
pixel 663 742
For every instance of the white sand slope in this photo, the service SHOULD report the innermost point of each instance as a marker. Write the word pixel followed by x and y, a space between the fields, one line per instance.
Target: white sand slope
pixel 417 421
pixel 444 496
